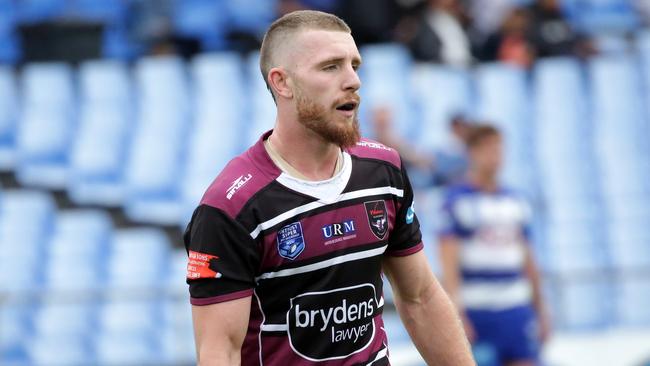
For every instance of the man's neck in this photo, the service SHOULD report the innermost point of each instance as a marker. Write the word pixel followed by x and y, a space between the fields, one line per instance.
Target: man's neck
pixel 306 152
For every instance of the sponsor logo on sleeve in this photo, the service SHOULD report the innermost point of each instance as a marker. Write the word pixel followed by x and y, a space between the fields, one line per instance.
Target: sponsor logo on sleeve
pixel 410 213
pixel 373 145
pixel 377 218
pixel 198 266
pixel 237 184
pixel 332 324
pixel 291 241
pixel 338 232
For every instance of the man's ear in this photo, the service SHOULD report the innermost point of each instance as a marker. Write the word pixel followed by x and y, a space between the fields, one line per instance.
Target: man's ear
pixel 278 80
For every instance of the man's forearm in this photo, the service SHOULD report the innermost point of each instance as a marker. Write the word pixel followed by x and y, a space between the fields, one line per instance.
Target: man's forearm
pixel 434 326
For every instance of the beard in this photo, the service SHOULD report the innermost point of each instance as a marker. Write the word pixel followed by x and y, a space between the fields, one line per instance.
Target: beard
pixel 315 117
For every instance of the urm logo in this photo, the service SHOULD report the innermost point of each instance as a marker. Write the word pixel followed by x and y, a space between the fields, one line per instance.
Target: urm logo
pixel 338 229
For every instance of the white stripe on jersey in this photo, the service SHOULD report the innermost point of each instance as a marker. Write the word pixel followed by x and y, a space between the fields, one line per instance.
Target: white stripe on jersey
pixel 314 205
pixel 274 327
pixel 478 256
pixel 490 295
pixel 324 264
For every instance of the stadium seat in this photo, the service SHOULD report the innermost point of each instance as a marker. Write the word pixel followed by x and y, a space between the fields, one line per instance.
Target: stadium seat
pixel 31 11
pixel 61 318
pixel 74 260
pixel 633 301
pixel 46 128
pixel 504 100
pixel 107 12
pixel 219 108
pixel 99 153
pixel 155 161
pixel 385 74
pixel 26 219
pixel 8 117
pixel 263 110
pixel 125 269
pixel 59 351
pixel 9 44
pixel 126 349
pixel 251 15
pixel 586 303
pixel 202 19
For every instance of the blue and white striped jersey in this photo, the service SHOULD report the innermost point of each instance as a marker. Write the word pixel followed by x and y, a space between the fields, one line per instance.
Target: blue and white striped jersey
pixel 493 230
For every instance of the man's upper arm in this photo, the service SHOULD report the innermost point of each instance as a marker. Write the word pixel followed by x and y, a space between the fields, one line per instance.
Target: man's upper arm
pixel 410 276
pixel 219 330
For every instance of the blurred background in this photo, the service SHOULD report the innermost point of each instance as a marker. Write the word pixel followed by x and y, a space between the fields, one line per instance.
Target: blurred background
pixel 115 115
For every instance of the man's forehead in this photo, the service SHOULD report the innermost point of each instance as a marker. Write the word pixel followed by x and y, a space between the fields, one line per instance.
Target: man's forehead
pixel 318 45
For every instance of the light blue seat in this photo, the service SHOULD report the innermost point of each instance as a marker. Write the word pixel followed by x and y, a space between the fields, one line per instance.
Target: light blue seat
pixel 504 100
pixel 586 304
pixel 59 351
pixel 218 107
pixel 156 158
pixel 126 349
pixel 251 15
pixel 56 319
pixel 99 153
pixel 14 332
pixel 263 110
pixel 75 252
pixel 8 117
pixel 46 128
pixel 593 16
pixel 385 77
pixel 204 19
pixel 633 301
pixel 26 219
pixel 130 317
pixel 440 93
pixel 126 271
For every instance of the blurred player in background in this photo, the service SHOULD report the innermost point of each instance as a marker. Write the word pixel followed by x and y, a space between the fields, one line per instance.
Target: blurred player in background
pixel 287 247
pixel 487 262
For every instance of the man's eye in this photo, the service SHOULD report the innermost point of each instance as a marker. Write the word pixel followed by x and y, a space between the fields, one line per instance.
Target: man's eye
pixel 330 67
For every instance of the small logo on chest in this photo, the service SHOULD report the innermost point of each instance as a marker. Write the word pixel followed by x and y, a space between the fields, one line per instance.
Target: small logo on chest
pixel 338 229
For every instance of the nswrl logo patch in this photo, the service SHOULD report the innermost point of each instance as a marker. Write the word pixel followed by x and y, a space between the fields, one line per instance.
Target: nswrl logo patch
pixel 291 241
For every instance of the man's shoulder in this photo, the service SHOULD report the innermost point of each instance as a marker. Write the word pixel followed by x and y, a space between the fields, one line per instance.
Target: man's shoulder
pixel 369 149
pixel 236 184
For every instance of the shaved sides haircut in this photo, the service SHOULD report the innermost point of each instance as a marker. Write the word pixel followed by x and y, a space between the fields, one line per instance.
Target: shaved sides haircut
pixel 287 26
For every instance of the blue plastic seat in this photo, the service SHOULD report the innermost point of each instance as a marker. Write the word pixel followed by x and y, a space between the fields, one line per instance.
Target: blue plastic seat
pixel 99 153
pixel 8 117
pixel 46 128
pixel 29 11
pixel 385 76
pixel 203 19
pixel 440 93
pixel 586 304
pixel 9 45
pixel 125 270
pixel 218 106
pixel 156 158
pixel 263 110
pixel 126 349
pixel 504 100
pixel 26 219
pixel 75 256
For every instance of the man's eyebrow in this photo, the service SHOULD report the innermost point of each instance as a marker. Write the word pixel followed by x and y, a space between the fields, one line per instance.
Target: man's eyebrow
pixel 337 60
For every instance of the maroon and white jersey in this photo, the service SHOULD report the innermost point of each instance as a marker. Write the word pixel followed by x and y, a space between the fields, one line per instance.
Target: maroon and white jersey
pixel 309 254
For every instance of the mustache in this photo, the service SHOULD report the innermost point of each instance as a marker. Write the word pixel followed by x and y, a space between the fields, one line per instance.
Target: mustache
pixel 352 98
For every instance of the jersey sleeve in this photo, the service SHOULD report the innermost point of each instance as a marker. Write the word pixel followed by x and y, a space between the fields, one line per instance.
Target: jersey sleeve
pixel 222 257
pixel 405 238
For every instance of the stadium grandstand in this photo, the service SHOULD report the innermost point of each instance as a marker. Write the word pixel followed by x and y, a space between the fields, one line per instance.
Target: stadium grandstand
pixel 115 115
